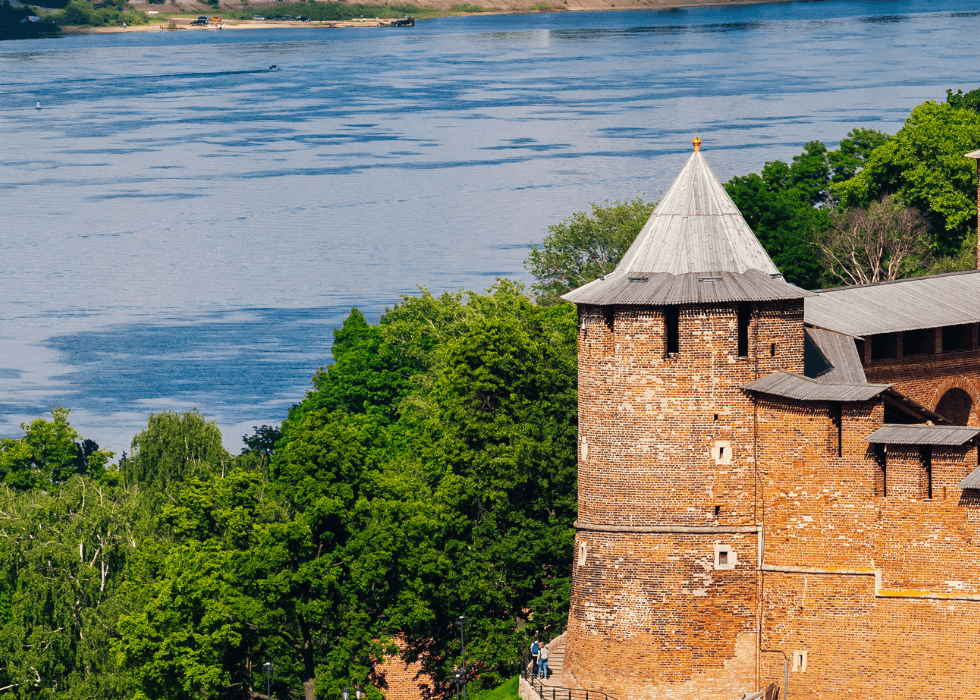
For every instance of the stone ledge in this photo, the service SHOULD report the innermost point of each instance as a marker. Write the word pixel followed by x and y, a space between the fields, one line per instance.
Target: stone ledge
pixel 682 529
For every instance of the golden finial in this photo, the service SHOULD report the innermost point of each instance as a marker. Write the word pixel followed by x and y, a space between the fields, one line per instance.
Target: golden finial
pixel 697 142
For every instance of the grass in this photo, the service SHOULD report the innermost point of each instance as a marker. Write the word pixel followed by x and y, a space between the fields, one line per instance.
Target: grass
pixel 505 691
pixel 467 7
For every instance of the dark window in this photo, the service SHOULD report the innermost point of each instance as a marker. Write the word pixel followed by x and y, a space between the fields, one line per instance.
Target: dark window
pixel 956 338
pixel 837 416
pixel 884 346
pixel 916 342
pixel 859 344
pixel 744 317
pixel 723 558
pixel 881 456
pixel 772 350
pixel 610 314
pixel 717 511
pixel 672 330
pixel 926 454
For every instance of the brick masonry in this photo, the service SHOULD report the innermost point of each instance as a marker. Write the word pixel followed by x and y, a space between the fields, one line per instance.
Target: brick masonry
pixel 401 680
pixel 860 560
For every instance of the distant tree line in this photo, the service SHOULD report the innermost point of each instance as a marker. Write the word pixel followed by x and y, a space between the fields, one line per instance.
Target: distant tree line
pixel 15 23
pixel 877 207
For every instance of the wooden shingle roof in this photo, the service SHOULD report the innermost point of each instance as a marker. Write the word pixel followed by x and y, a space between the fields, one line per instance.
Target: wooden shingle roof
pixel 695 248
pixel 696 228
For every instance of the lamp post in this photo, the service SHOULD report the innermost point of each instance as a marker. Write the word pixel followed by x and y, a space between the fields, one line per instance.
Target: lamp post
pixel 268 668
pixel 345 693
pixel 359 692
pixel 462 640
pixel 459 678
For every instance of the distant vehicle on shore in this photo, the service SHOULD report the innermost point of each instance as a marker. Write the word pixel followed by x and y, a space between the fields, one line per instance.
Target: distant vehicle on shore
pixel 303 18
pixel 201 21
pixel 258 18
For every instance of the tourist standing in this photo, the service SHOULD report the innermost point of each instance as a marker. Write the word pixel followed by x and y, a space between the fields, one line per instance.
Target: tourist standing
pixel 543 663
pixel 535 650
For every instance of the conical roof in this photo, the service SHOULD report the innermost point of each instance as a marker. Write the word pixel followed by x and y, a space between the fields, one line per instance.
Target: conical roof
pixel 695 248
pixel 696 227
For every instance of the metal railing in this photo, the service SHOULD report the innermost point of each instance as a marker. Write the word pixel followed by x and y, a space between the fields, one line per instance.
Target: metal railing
pixel 556 692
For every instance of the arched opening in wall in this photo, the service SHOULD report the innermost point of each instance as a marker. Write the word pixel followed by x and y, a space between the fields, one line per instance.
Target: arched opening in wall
pixel 955 406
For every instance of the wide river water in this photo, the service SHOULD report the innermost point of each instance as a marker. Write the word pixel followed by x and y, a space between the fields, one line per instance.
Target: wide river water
pixel 182 227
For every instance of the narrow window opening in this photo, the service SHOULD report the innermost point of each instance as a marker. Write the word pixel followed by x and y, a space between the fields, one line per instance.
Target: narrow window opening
pixel 672 329
pixel 717 511
pixel 772 350
pixel 716 416
pixel 610 314
pixel 721 453
pixel 881 455
pixel 926 453
pixel 838 418
pixel 723 558
pixel 744 317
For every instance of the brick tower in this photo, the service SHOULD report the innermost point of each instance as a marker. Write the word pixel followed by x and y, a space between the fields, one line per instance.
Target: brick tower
pixel 665 587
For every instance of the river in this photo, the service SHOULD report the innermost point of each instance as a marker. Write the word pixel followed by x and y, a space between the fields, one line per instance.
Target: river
pixel 182 227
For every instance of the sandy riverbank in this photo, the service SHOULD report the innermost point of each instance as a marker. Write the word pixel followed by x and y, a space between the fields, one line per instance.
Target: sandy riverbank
pixel 266 7
pixel 185 23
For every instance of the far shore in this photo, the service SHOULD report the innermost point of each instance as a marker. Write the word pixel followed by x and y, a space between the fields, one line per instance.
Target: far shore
pixel 443 7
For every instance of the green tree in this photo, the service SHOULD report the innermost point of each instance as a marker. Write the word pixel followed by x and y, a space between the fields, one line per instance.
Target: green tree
pixel 49 453
pixel 585 246
pixel 452 493
pixel 173 448
pixel 778 207
pixel 853 151
pixel 970 100
pixel 924 165
pixel 201 629
pixel 63 558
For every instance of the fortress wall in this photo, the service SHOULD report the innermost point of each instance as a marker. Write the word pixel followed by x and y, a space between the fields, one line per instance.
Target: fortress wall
pixel 668 439
pixel 665 441
pixel 926 378
pixel 818 508
pixel 653 615
pixel 830 514
pixel 404 681
pixel 859 646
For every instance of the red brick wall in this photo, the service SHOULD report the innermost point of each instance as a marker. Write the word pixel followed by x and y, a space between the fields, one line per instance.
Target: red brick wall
pixel 926 378
pixel 650 615
pixel 861 570
pixel 404 681
pixel 824 513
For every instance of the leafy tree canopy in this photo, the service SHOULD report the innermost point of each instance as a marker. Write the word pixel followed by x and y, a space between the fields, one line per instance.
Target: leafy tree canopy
pixel 173 448
pixel 49 453
pixel 429 474
pixel 924 165
pixel 585 246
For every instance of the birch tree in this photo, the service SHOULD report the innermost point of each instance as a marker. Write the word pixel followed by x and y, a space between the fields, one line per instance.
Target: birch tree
pixel 876 244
